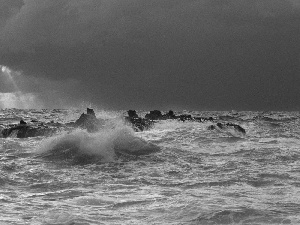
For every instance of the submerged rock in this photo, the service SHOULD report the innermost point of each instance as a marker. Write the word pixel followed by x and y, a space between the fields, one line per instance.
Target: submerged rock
pixel 237 127
pixel 226 126
pixel 23 130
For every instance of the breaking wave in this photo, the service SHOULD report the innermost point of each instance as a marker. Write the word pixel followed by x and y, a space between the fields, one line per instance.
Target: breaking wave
pixel 79 146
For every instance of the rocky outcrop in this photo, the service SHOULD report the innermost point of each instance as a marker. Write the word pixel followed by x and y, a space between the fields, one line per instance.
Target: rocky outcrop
pixel 89 121
pixel 170 115
pixel 154 115
pixel 138 123
pixel 23 130
pixel 132 114
pixel 157 115
pixel 35 128
pixel 203 119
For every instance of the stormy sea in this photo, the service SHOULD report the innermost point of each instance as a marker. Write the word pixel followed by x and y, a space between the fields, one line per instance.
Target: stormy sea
pixel 174 172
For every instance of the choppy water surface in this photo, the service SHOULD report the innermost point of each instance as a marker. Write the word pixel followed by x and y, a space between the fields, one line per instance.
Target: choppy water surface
pixel 200 176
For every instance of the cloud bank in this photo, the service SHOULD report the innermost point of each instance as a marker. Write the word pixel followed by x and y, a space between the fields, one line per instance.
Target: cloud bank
pixel 193 54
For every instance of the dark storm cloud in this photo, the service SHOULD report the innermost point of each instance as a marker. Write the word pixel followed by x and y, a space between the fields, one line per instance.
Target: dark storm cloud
pixel 197 54
pixel 9 8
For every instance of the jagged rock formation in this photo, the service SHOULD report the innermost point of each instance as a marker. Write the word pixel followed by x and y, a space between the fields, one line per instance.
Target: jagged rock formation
pixel 35 128
pixel 154 115
pixel 92 124
pixel 157 115
pixel 89 121
pixel 138 123
pixel 170 115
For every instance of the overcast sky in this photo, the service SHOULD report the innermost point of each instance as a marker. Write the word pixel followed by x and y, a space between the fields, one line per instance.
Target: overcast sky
pixel 152 54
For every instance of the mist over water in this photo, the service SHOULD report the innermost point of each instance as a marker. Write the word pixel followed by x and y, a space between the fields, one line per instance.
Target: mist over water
pixel 194 176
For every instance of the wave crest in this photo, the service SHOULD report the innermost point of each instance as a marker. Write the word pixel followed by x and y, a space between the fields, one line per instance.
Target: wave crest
pixel 104 146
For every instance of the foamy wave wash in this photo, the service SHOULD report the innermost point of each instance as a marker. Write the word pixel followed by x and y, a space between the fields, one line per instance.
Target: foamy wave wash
pixel 105 145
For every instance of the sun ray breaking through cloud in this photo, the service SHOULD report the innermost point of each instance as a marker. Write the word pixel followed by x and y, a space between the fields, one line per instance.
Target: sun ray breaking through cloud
pixel 204 54
pixel 12 99
pixel 19 90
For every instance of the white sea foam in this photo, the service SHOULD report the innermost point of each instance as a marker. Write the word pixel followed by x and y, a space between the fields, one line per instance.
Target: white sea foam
pixel 79 142
pixel 103 144
pixel 202 176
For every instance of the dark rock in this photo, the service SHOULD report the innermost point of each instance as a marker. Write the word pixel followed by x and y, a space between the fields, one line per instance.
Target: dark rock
pixel 170 115
pixel 25 131
pixel 157 115
pixel 90 112
pixel 240 129
pixel 223 126
pixel 89 121
pixel 138 123
pixel 57 124
pixel 154 115
pixel 211 127
pixel 22 122
pixel 237 127
pixel 220 125
pixel 34 129
pixel 185 117
pixel 226 117
pixel 199 119
pixel 132 114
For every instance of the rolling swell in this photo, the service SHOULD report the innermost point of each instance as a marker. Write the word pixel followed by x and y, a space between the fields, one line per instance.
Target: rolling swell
pixel 201 176
pixel 243 215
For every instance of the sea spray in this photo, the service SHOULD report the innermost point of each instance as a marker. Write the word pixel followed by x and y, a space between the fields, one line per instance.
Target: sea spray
pixel 78 143
pixel 201 176
pixel 81 146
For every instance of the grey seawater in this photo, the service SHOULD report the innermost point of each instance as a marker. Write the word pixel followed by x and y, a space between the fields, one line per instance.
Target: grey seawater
pixel 200 176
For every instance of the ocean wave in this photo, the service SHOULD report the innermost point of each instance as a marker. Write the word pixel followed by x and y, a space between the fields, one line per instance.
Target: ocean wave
pixel 276 118
pixel 243 215
pixel 80 146
pixel 231 130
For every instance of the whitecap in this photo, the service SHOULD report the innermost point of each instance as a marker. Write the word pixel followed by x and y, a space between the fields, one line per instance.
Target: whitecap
pixel 104 146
